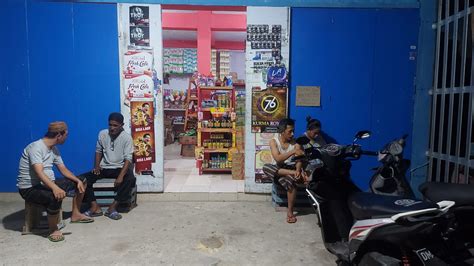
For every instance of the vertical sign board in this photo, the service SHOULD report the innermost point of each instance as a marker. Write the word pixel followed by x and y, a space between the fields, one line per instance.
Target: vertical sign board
pixel 141 101
pixel 267 62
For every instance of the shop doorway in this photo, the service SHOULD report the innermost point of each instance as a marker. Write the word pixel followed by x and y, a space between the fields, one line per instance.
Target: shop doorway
pixel 203 98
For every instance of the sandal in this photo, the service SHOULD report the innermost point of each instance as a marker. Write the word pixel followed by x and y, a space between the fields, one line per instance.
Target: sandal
pixel 93 214
pixel 55 237
pixel 291 219
pixel 84 220
pixel 113 215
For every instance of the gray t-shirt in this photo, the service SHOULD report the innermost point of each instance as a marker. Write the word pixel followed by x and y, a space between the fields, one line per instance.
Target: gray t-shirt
pixel 37 153
pixel 114 153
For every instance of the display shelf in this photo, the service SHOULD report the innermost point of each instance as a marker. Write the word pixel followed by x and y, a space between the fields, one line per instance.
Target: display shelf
pixel 216 136
pixel 216 88
pixel 217 130
pixel 216 150
pixel 174 109
pixel 216 169
pixel 217 109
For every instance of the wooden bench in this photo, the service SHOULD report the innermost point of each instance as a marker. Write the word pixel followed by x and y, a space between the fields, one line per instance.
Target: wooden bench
pixel 105 193
pixel 35 215
pixel 280 198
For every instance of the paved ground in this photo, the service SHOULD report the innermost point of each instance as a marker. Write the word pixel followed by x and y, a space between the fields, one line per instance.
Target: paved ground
pixel 170 233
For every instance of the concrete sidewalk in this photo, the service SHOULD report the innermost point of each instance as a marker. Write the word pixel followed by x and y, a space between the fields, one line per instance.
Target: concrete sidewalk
pixel 170 233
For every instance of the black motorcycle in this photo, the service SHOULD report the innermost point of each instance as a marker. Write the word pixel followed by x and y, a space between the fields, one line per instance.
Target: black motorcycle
pixel 363 228
pixel 390 179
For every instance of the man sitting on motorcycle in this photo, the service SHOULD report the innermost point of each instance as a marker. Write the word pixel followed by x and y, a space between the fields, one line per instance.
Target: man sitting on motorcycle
pixel 282 169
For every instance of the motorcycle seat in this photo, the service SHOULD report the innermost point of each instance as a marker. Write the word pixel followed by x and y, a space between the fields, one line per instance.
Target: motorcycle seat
pixel 461 194
pixel 364 205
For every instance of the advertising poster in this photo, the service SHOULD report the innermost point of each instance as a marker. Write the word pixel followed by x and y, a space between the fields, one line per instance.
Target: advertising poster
pixel 143 135
pixel 138 62
pixel 138 86
pixel 268 108
pixel 139 36
pixel 139 16
pixel 263 139
pixel 263 155
pixel 139 26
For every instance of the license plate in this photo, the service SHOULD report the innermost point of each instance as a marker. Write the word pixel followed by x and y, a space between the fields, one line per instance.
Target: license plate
pixel 426 256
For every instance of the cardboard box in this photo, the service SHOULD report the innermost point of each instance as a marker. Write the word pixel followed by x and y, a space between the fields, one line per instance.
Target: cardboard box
pixel 187 150
pixel 168 123
pixel 188 139
pixel 238 172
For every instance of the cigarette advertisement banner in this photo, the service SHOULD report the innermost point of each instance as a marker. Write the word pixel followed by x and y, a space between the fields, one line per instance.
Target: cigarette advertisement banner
pixel 139 26
pixel 143 135
pixel 263 155
pixel 268 108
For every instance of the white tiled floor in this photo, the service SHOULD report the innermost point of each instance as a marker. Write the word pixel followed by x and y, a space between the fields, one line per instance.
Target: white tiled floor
pixel 181 175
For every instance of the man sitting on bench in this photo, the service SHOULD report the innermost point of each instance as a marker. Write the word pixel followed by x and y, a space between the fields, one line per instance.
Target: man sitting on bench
pixel 113 159
pixel 283 170
pixel 37 184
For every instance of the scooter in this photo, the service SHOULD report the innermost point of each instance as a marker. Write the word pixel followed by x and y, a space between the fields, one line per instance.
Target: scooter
pixel 363 228
pixel 390 179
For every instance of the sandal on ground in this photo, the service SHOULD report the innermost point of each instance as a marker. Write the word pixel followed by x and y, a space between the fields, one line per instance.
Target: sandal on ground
pixel 84 220
pixel 93 214
pixel 291 219
pixel 113 215
pixel 55 237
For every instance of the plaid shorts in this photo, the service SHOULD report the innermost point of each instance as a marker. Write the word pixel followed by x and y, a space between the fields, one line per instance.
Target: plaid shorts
pixel 271 170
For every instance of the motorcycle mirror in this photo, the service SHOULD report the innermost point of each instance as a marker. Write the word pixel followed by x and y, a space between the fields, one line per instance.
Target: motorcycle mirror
pixel 363 134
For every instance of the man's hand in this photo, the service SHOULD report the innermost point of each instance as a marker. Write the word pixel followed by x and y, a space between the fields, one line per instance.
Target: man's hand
pixel 305 177
pixel 299 152
pixel 118 181
pixel 59 194
pixel 96 171
pixel 296 174
pixel 80 187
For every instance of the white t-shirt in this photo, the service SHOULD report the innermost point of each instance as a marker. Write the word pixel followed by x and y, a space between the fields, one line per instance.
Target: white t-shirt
pixel 291 146
pixel 37 153
pixel 114 153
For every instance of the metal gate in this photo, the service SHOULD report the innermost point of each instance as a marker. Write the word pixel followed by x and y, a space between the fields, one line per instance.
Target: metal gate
pixel 451 147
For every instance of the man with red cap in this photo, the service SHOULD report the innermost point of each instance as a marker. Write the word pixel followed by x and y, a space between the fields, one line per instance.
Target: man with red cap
pixel 37 184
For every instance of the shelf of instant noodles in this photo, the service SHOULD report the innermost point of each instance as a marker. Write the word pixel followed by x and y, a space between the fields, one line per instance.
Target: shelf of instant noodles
pixel 280 198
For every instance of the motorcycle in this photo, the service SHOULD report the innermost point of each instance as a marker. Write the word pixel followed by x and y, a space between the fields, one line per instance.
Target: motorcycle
pixel 363 228
pixel 390 179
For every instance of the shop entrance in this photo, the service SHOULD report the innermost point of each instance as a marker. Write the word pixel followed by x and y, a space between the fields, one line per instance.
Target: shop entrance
pixel 203 98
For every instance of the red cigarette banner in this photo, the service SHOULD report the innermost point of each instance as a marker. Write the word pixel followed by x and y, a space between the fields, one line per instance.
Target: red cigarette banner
pixel 143 134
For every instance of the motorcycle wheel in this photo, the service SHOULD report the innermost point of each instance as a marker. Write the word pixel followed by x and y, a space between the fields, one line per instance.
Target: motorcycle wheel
pixel 340 262
pixel 376 258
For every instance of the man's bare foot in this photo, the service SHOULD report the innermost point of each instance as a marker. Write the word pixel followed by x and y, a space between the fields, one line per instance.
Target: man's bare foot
pixel 56 236
pixel 81 218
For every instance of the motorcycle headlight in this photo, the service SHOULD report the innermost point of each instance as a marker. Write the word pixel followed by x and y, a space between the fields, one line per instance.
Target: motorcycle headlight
pixel 395 148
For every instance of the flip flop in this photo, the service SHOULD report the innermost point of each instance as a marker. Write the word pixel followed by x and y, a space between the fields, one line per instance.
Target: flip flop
pixel 93 214
pixel 291 219
pixel 83 221
pixel 55 238
pixel 113 215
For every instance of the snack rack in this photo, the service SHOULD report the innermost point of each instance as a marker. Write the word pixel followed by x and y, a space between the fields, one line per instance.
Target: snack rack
pixel 216 129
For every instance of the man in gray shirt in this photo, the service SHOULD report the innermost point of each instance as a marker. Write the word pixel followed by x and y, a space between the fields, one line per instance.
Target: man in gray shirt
pixel 37 184
pixel 113 159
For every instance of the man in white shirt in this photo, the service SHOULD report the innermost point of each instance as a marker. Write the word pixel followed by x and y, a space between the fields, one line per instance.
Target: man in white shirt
pixel 113 159
pixel 37 184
